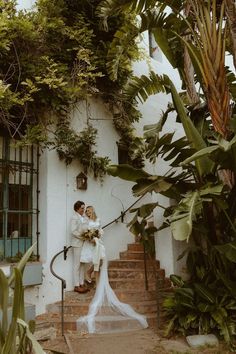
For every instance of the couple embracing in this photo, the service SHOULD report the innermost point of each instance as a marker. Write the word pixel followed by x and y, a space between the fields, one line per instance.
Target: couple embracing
pixel 106 312
pixel 87 245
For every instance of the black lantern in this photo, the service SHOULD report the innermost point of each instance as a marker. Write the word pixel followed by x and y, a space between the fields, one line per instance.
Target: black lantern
pixel 81 181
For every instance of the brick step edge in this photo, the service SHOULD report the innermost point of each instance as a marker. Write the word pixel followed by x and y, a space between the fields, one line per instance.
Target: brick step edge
pixel 55 319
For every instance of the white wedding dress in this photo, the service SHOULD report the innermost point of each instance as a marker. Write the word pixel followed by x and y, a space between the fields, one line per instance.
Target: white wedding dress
pixel 106 313
pixel 89 250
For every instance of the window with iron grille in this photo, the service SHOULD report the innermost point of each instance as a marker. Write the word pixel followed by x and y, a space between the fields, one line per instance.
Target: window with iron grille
pixel 18 198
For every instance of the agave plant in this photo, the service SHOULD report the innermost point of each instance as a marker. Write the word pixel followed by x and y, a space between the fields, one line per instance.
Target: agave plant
pixel 16 336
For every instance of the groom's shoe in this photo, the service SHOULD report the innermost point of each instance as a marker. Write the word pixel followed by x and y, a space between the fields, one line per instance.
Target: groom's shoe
pixel 81 289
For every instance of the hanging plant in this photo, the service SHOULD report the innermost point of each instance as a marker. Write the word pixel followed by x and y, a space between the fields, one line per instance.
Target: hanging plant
pixel 80 146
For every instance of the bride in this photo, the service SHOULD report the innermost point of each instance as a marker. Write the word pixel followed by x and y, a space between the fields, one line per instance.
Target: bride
pixel 106 313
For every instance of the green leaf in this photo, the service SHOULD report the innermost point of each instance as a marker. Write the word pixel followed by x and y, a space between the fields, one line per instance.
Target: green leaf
pixel 156 184
pixel 205 293
pixel 143 87
pixel 176 280
pixel 161 37
pixel 204 165
pixel 146 209
pixel 126 172
pixel 203 152
pixel 9 345
pixel 228 250
pixel 205 307
pixel 21 264
pixel 4 293
pixel 184 215
pixel 18 302
pixel 36 346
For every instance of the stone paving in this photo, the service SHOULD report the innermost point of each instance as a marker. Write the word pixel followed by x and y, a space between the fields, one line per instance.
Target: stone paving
pixel 146 341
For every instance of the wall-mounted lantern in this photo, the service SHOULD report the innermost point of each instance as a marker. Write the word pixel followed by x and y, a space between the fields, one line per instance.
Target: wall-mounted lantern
pixel 81 181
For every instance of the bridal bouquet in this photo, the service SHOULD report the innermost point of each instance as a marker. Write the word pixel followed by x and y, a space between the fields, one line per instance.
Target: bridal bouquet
pixel 89 235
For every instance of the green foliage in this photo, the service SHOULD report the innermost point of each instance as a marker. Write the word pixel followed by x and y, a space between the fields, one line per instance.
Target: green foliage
pixel 50 60
pixel 16 336
pixel 206 303
pixel 71 145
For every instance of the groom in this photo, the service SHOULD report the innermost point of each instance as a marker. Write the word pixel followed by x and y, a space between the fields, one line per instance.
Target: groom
pixel 77 227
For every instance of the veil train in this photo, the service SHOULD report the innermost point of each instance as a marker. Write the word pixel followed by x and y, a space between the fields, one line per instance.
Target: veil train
pixel 106 313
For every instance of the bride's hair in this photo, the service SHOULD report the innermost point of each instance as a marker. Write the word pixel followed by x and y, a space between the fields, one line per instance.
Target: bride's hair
pixel 93 216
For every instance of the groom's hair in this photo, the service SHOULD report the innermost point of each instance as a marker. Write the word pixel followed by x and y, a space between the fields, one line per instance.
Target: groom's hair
pixel 78 204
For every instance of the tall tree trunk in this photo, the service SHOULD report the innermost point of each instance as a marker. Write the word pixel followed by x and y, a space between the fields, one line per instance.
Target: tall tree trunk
pixel 231 16
pixel 188 67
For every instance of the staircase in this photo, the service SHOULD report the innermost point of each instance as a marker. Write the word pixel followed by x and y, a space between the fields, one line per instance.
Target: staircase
pixel 127 278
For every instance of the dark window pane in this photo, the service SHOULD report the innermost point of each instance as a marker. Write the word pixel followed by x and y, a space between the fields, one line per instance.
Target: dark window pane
pixel 1 195
pixel 122 154
pixel 19 197
pixel 19 225
pixel 1 225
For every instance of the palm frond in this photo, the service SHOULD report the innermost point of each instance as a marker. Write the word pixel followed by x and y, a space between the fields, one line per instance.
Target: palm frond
pixel 119 49
pixel 107 8
pixel 144 86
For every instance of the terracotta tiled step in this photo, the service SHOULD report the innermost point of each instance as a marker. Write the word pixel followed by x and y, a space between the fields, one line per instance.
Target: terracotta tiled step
pixel 131 295
pixel 132 263
pixel 132 255
pixel 128 296
pixel 70 308
pixel 143 307
pixel 81 308
pixel 125 284
pixel 72 296
pixel 111 324
pixel 127 273
pixel 135 247
pixel 54 320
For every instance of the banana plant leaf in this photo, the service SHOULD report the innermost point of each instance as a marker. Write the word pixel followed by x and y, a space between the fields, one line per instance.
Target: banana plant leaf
pixel 204 165
pixel 223 152
pixel 205 293
pixel 228 250
pixel 150 184
pixel 184 215
pixel 126 172
pixel 188 209
pixel 145 210
pixel 177 280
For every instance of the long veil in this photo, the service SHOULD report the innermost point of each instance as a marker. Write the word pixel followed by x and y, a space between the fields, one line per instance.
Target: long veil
pixel 106 313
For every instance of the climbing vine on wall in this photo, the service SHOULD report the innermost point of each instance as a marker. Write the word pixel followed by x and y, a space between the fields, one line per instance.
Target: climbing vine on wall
pixel 51 59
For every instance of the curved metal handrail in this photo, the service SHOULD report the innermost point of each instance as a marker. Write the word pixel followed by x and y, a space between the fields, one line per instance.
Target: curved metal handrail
pixel 66 249
pixel 63 283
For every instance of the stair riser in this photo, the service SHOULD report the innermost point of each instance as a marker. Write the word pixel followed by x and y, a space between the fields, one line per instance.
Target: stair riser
pixel 129 297
pixel 134 264
pixel 131 255
pixel 71 325
pixel 83 310
pixel 129 285
pixel 137 275
pixel 135 247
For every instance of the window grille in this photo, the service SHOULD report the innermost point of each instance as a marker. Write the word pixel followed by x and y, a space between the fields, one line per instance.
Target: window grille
pixel 18 198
